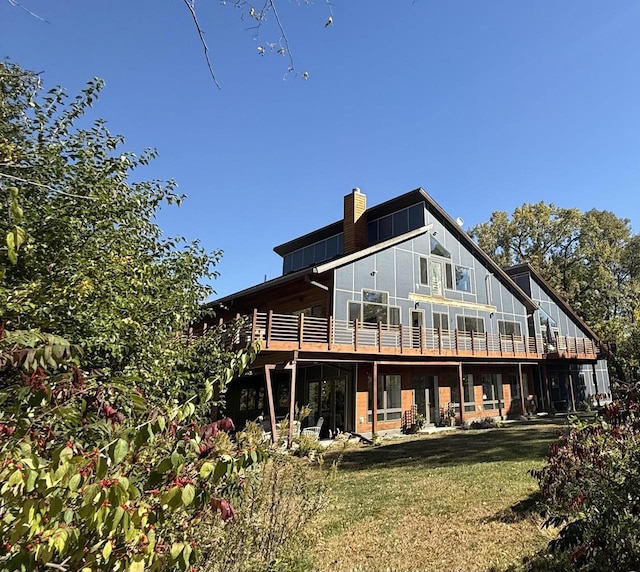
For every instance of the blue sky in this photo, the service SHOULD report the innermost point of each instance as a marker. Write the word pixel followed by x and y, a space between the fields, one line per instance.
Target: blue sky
pixel 486 105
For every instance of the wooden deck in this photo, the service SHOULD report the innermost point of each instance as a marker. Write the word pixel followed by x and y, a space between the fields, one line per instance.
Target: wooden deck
pixel 285 332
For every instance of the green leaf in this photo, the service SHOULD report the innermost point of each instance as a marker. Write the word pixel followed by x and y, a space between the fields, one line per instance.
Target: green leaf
pixel 106 551
pixel 188 494
pixel 120 450
pixel 206 469
pixel 176 549
pixel 67 453
pixel 74 482
pixel 137 564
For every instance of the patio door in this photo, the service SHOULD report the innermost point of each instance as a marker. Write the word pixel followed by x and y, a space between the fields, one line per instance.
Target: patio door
pixel 328 399
pixel 425 389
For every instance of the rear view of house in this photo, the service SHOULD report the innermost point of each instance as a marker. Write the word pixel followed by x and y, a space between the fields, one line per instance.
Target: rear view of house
pixel 394 310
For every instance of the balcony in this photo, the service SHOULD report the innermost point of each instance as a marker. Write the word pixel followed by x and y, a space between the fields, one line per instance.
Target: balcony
pixel 286 332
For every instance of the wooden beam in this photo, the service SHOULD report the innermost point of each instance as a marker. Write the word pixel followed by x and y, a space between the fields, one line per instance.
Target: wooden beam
pixel 272 409
pixel 521 384
pixel 293 366
pixel 374 399
pixel 571 393
pixel 595 383
pixel 546 385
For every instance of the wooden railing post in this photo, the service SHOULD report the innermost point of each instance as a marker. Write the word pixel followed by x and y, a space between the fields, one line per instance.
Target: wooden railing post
pixel 440 340
pixel 473 336
pixel 402 339
pixel 330 332
pixel 254 325
pixel 269 327
pixel 513 343
pixel 379 337
pixel 355 334
pixel 300 330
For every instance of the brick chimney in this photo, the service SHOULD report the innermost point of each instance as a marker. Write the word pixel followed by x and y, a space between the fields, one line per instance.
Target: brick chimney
pixel 354 224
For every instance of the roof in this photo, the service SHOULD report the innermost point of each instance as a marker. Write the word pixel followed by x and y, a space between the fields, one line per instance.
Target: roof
pixel 372 213
pixel 323 267
pixel 553 293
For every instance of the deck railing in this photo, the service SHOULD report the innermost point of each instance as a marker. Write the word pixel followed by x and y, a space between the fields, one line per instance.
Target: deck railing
pixel 289 332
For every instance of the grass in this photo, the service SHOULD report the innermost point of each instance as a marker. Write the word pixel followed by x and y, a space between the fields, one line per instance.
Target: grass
pixel 459 500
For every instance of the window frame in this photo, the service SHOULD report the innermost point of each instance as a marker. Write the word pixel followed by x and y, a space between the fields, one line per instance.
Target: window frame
pixel 384 411
pixel 464 319
pixel 502 327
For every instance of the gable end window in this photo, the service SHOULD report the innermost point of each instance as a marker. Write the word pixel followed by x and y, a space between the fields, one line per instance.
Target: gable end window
pixel 444 275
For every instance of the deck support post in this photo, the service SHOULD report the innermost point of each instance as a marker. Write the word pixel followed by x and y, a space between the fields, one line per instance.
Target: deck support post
pixel 545 378
pixel 461 390
pixel 595 384
pixel 272 410
pixel 293 366
pixel 571 393
pixel 521 384
pixel 374 399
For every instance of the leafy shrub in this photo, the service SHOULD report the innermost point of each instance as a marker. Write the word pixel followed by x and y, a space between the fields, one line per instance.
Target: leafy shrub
pixel 276 510
pixel 591 485
pixel 308 446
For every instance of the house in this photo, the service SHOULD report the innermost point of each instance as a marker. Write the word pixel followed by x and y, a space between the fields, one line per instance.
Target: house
pixel 394 311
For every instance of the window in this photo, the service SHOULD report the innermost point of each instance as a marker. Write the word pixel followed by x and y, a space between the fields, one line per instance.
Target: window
pixel 440 321
pixel 395 224
pixel 469 324
pixel 424 272
pixel 437 286
pixel 545 319
pixel 491 390
pixel 313 254
pixel 438 249
pixel 251 399
pixel 389 400
pixel 312 311
pixel 463 279
pixel 509 328
pixel 374 309
pixel 355 311
pixel 469 397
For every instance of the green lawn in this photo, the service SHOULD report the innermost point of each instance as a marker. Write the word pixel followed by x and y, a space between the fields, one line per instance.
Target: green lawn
pixel 458 500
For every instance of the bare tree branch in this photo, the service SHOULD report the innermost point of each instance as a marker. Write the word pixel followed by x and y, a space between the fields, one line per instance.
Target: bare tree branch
pixel 191 6
pixel 52 189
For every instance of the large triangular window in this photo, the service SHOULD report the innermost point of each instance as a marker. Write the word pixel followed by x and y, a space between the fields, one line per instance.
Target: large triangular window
pixel 438 249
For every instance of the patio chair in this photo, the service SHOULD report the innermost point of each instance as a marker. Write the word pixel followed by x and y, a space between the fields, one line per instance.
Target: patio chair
pixel 314 430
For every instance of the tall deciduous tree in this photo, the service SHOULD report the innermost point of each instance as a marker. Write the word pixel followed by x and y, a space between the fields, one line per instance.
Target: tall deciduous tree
pixel 103 462
pixel 590 258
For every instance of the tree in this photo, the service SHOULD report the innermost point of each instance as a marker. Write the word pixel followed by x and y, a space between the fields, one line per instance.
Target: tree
pixel 103 395
pixel 590 258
